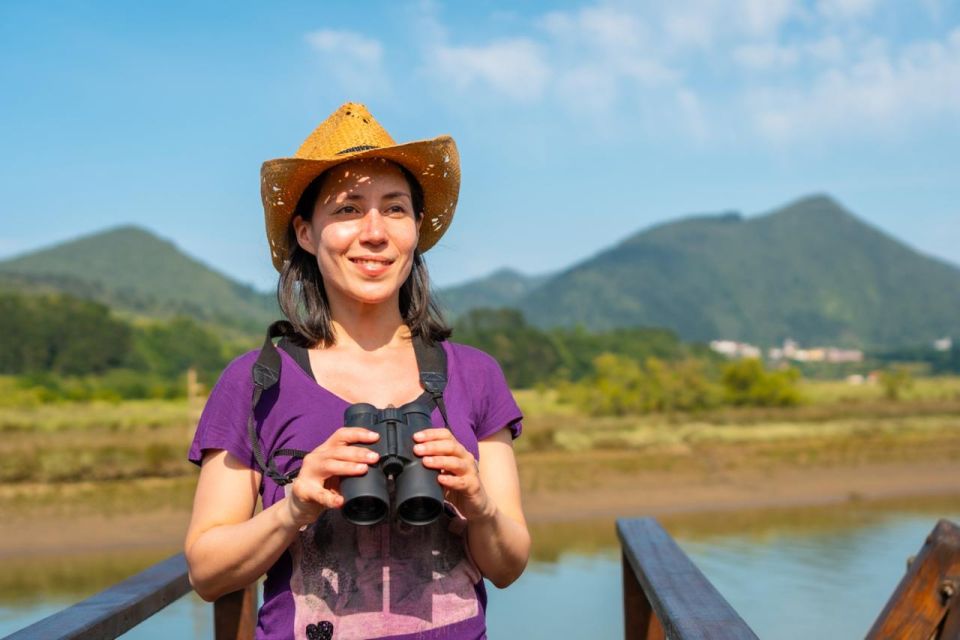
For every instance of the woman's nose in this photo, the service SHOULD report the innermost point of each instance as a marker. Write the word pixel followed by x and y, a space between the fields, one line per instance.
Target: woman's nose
pixel 374 231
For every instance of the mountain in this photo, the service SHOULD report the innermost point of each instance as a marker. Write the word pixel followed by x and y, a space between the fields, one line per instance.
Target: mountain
pixel 131 269
pixel 502 288
pixel 810 270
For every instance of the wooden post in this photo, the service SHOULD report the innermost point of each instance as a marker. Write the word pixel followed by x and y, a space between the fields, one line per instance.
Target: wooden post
pixel 235 615
pixel 192 386
pixel 926 603
pixel 639 620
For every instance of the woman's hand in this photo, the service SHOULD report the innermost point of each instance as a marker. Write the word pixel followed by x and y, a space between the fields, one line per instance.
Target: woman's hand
pixel 317 486
pixel 459 472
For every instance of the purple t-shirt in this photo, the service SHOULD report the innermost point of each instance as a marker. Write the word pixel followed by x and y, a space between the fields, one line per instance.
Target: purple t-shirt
pixel 338 580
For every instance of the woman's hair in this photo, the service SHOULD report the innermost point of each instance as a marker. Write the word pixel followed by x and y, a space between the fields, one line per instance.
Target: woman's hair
pixel 303 297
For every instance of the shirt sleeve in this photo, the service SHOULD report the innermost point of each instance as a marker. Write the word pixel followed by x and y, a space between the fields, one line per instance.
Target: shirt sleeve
pixel 498 409
pixel 223 423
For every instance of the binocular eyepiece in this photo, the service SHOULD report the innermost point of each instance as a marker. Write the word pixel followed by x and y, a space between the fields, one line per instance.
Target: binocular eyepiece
pixel 419 497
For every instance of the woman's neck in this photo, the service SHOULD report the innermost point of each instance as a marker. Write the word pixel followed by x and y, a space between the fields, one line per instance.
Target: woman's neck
pixel 369 327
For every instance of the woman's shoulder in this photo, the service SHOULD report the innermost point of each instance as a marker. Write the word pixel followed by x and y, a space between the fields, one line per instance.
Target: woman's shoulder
pixel 467 355
pixel 476 361
pixel 239 371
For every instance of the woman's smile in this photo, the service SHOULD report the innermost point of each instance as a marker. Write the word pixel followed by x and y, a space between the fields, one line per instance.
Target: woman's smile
pixel 372 266
pixel 364 232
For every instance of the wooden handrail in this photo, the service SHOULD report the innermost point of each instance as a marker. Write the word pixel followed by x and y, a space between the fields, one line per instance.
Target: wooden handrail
pixel 126 604
pixel 926 603
pixel 665 594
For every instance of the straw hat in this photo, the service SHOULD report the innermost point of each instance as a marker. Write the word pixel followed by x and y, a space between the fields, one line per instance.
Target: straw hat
pixel 351 133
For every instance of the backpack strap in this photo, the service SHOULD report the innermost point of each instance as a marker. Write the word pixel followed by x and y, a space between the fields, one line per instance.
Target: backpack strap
pixel 266 373
pixel 431 363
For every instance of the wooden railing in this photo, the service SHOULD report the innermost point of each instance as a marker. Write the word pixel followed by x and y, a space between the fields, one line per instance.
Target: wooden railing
pixel 126 604
pixel 926 603
pixel 665 595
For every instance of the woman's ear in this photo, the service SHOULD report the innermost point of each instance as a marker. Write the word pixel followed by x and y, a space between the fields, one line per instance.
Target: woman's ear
pixel 304 232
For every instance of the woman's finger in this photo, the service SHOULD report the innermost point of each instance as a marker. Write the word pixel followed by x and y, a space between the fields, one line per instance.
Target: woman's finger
pixel 441 447
pixel 450 464
pixel 437 433
pixel 332 467
pixel 349 453
pixel 349 435
pixel 455 482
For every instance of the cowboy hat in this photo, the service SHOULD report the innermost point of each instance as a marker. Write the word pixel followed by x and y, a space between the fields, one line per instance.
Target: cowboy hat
pixel 350 133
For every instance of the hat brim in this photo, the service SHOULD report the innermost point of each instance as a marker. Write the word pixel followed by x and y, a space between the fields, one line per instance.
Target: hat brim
pixel 435 163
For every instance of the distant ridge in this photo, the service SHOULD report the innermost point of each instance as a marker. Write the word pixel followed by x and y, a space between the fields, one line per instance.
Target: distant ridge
pixel 810 270
pixel 131 269
pixel 502 288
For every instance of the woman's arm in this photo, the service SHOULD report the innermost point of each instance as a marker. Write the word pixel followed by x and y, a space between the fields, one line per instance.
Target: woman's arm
pixel 488 496
pixel 227 547
pixel 500 543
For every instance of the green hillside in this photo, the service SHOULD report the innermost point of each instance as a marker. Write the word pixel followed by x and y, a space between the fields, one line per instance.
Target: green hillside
pixel 811 271
pixel 132 270
pixel 502 288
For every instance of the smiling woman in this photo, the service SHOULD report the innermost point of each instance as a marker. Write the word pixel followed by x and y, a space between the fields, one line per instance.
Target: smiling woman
pixel 368 212
pixel 348 219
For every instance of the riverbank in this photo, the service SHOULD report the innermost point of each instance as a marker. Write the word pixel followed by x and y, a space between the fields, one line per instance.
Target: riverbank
pixel 92 478
pixel 86 518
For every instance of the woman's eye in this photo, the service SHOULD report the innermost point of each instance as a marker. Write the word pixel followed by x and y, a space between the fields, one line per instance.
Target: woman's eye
pixel 347 209
pixel 397 209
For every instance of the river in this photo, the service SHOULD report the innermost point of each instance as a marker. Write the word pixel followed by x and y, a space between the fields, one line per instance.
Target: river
pixel 791 574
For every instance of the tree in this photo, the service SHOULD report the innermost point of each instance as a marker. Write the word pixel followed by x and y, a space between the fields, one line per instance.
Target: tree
pixel 894 381
pixel 746 383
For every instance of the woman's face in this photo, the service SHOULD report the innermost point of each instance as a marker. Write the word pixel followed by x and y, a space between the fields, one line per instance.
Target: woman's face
pixel 363 232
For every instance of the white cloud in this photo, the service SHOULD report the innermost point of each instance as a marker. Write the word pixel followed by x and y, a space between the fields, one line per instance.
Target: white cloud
pixel 783 70
pixel 845 9
pixel 765 17
pixel 878 93
pixel 693 117
pixel 348 44
pixel 765 56
pixel 352 58
pixel 828 50
pixel 513 68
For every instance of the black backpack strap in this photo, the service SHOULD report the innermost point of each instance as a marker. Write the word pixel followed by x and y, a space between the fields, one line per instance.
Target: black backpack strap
pixel 432 363
pixel 299 354
pixel 266 373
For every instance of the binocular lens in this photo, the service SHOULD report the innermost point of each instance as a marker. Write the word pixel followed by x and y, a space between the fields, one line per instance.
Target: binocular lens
pixel 419 511
pixel 365 510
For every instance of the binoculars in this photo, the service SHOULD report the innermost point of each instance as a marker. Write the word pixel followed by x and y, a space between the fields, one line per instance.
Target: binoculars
pixel 418 495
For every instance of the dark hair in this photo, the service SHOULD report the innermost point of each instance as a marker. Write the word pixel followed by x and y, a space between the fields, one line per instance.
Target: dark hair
pixel 303 297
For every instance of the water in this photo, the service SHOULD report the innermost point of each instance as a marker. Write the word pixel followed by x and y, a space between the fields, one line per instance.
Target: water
pixel 816 573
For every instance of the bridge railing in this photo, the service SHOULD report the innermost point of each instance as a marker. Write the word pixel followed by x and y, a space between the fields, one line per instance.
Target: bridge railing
pixel 118 609
pixel 665 595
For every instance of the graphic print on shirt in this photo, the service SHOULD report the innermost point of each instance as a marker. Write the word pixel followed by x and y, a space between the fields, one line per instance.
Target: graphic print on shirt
pixel 388 579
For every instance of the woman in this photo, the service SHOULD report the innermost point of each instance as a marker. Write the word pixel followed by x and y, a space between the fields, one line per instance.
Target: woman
pixel 347 219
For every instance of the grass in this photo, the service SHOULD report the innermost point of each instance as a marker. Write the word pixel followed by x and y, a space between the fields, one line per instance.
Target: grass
pixel 840 424
pixel 126 416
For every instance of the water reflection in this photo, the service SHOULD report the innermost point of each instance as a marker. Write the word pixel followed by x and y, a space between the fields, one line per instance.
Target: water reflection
pixel 791 573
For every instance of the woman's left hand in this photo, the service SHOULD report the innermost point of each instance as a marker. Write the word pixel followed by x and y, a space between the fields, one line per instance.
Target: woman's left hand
pixel 459 472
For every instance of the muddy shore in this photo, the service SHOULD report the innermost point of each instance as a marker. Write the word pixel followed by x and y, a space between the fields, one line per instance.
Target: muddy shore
pixel 50 520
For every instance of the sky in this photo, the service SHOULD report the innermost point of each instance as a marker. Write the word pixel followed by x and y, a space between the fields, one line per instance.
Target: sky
pixel 578 123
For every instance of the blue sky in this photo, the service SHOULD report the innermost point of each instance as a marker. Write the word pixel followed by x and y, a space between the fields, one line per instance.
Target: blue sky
pixel 578 123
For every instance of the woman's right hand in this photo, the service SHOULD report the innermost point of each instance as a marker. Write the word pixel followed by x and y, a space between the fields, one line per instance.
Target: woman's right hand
pixel 317 486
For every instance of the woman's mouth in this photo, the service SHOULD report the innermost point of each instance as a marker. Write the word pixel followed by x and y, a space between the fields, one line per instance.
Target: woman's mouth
pixel 372 266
